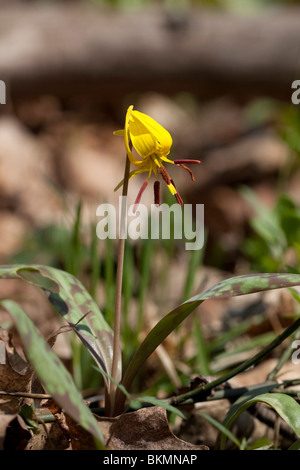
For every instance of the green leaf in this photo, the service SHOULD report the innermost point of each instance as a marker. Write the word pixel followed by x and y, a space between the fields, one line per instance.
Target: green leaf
pixel 283 404
pixel 266 223
pixel 222 429
pixel 27 413
pixel 51 372
pixel 138 401
pixel 295 445
pixel 263 442
pixel 239 285
pixel 74 303
pixel 252 392
pixel 34 276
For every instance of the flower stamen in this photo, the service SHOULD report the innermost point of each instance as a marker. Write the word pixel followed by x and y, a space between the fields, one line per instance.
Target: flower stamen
pixel 165 176
pixel 186 160
pixel 156 193
pixel 177 195
pixel 182 162
pixel 139 196
pixel 187 169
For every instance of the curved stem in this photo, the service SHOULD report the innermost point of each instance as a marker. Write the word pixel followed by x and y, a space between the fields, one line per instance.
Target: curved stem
pixel 118 298
pixel 193 395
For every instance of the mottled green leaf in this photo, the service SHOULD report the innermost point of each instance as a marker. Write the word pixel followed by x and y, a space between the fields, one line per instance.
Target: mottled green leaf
pixel 248 284
pixel 34 276
pixel 51 372
pixel 70 298
pixel 239 285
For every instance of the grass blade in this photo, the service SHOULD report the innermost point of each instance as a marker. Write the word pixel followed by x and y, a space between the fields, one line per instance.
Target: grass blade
pixel 221 428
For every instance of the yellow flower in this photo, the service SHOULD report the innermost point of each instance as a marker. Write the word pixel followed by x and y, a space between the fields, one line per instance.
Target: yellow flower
pixel 152 143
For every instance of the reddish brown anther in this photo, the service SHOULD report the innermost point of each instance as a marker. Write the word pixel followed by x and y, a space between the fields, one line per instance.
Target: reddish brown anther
pixel 186 160
pixel 164 174
pixel 178 199
pixel 177 195
pixel 139 196
pixel 157 193
pixel 187 169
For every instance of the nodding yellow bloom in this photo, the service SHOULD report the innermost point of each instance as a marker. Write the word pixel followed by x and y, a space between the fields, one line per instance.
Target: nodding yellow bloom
pixel 152 143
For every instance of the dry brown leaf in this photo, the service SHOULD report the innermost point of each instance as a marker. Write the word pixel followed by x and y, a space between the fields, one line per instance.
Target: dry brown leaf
pixel 144 429
pixel 15 374
pixel 5 420
pixel 147 428
pixel 17 434
pixel 59 415
pixel 49 437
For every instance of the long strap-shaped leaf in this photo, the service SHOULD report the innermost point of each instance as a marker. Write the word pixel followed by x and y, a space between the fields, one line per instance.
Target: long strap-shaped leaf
pixel 239 285
pixel 70 298
pixel 51 372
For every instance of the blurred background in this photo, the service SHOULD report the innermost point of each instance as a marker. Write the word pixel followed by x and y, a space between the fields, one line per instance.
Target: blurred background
pixel 217 74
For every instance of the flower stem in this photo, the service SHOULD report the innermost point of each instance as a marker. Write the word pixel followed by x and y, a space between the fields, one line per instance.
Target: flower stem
pixel 118 298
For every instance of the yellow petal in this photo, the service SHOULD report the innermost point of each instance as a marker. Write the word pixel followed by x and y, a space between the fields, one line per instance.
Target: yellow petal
pixel 131 157
pixel 131 174
pixel 148 136
pixel 165 159
pixel 120 132
pixel 141 139
pixel 124 134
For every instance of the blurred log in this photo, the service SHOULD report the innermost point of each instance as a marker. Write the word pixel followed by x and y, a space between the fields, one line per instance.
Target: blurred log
pixel 83 49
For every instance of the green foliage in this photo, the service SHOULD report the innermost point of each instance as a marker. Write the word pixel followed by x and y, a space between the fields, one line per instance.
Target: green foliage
pixel 28 414
pixel 222 429
pixel 276 232
pixel 289 129
pixel 138 402
pixel 51 372
pixel 73 302
pixel 286 406
pixel 295 445
pixel 239 285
